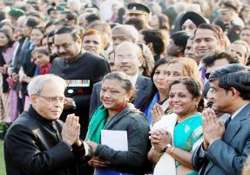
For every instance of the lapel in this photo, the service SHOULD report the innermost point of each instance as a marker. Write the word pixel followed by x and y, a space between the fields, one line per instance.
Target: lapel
pixel 235 124
pixel 140 83
pixel 231 130
pixel 206 167
pixel 140 87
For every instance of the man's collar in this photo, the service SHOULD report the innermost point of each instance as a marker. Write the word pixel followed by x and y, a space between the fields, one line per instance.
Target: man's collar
pixel 35 114
pixel 238 111
pixel 73 59
pixel 133 79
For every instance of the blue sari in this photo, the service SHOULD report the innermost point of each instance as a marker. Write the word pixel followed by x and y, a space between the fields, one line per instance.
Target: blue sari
pixel 149 108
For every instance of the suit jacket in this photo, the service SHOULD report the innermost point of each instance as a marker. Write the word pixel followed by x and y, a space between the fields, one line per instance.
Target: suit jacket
pixel 87 67
pixel 134 160
pixel 227 155
pixel 144 88
pixel 34 146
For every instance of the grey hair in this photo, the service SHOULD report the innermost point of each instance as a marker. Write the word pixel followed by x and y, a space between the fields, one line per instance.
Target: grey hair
pixel 131 45
pixel 37 83
pixel 128 30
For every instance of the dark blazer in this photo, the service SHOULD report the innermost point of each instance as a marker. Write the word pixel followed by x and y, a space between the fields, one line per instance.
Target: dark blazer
pixel 34 146
pixel 134 160
pixel 226 156
pixel 144 88
pixel 87 67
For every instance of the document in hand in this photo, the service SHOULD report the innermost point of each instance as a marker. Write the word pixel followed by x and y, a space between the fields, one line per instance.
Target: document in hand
pixel 118 140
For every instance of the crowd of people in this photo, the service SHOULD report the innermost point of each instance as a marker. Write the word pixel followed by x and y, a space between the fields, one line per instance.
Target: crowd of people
pixel 129 87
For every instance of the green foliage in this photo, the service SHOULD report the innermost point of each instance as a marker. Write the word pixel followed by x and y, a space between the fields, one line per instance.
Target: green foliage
pixel 2 166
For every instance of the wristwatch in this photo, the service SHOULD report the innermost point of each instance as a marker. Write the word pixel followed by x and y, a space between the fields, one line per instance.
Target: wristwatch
pixel 166 148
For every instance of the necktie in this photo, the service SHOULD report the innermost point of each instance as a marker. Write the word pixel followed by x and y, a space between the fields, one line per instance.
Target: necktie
pixel 227 122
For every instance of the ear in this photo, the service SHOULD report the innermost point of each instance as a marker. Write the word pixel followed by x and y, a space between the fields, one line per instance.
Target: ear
pixel 180 49
pixel 141 60
pixel 79 40
pixel 34 99
pixel 130 95
pixel 197 100
pixel 234 92
pixel 150 46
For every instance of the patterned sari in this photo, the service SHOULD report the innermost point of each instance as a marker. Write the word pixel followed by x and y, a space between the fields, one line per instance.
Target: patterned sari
pixel 186 134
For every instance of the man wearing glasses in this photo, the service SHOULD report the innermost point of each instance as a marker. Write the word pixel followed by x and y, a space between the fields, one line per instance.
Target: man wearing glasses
pixel 38 142
pixel 225 146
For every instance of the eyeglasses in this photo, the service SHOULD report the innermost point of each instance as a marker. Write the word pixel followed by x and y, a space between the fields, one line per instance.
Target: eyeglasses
pixel 52 99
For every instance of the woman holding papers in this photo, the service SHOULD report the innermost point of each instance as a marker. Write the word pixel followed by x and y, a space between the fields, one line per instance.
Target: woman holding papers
pixel 118 133
pixel 175 136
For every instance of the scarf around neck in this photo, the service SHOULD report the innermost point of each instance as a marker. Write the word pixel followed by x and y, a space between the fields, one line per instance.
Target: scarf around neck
pixel 96 124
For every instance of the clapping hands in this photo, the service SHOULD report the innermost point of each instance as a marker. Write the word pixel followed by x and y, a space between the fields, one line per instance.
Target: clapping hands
pixel 157 112
pixel 71 130
pixel 159 139
pixel 213 128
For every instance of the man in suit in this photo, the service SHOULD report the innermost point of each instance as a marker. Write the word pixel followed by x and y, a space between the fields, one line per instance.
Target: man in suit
pixel 226 146
pixel 81 70
pixel 127 60
pixel 38 142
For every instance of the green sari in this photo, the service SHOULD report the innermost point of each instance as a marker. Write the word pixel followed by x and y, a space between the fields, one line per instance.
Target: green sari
pixel 187 133
pixel 96 124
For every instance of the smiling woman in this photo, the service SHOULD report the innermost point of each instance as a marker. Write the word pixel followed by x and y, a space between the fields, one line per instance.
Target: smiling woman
pixel 164 73
pixel 117 115
pixel 176 135
pixel 37 35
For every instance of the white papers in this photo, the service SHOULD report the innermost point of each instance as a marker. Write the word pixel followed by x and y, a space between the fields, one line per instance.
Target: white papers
pixel 116 139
